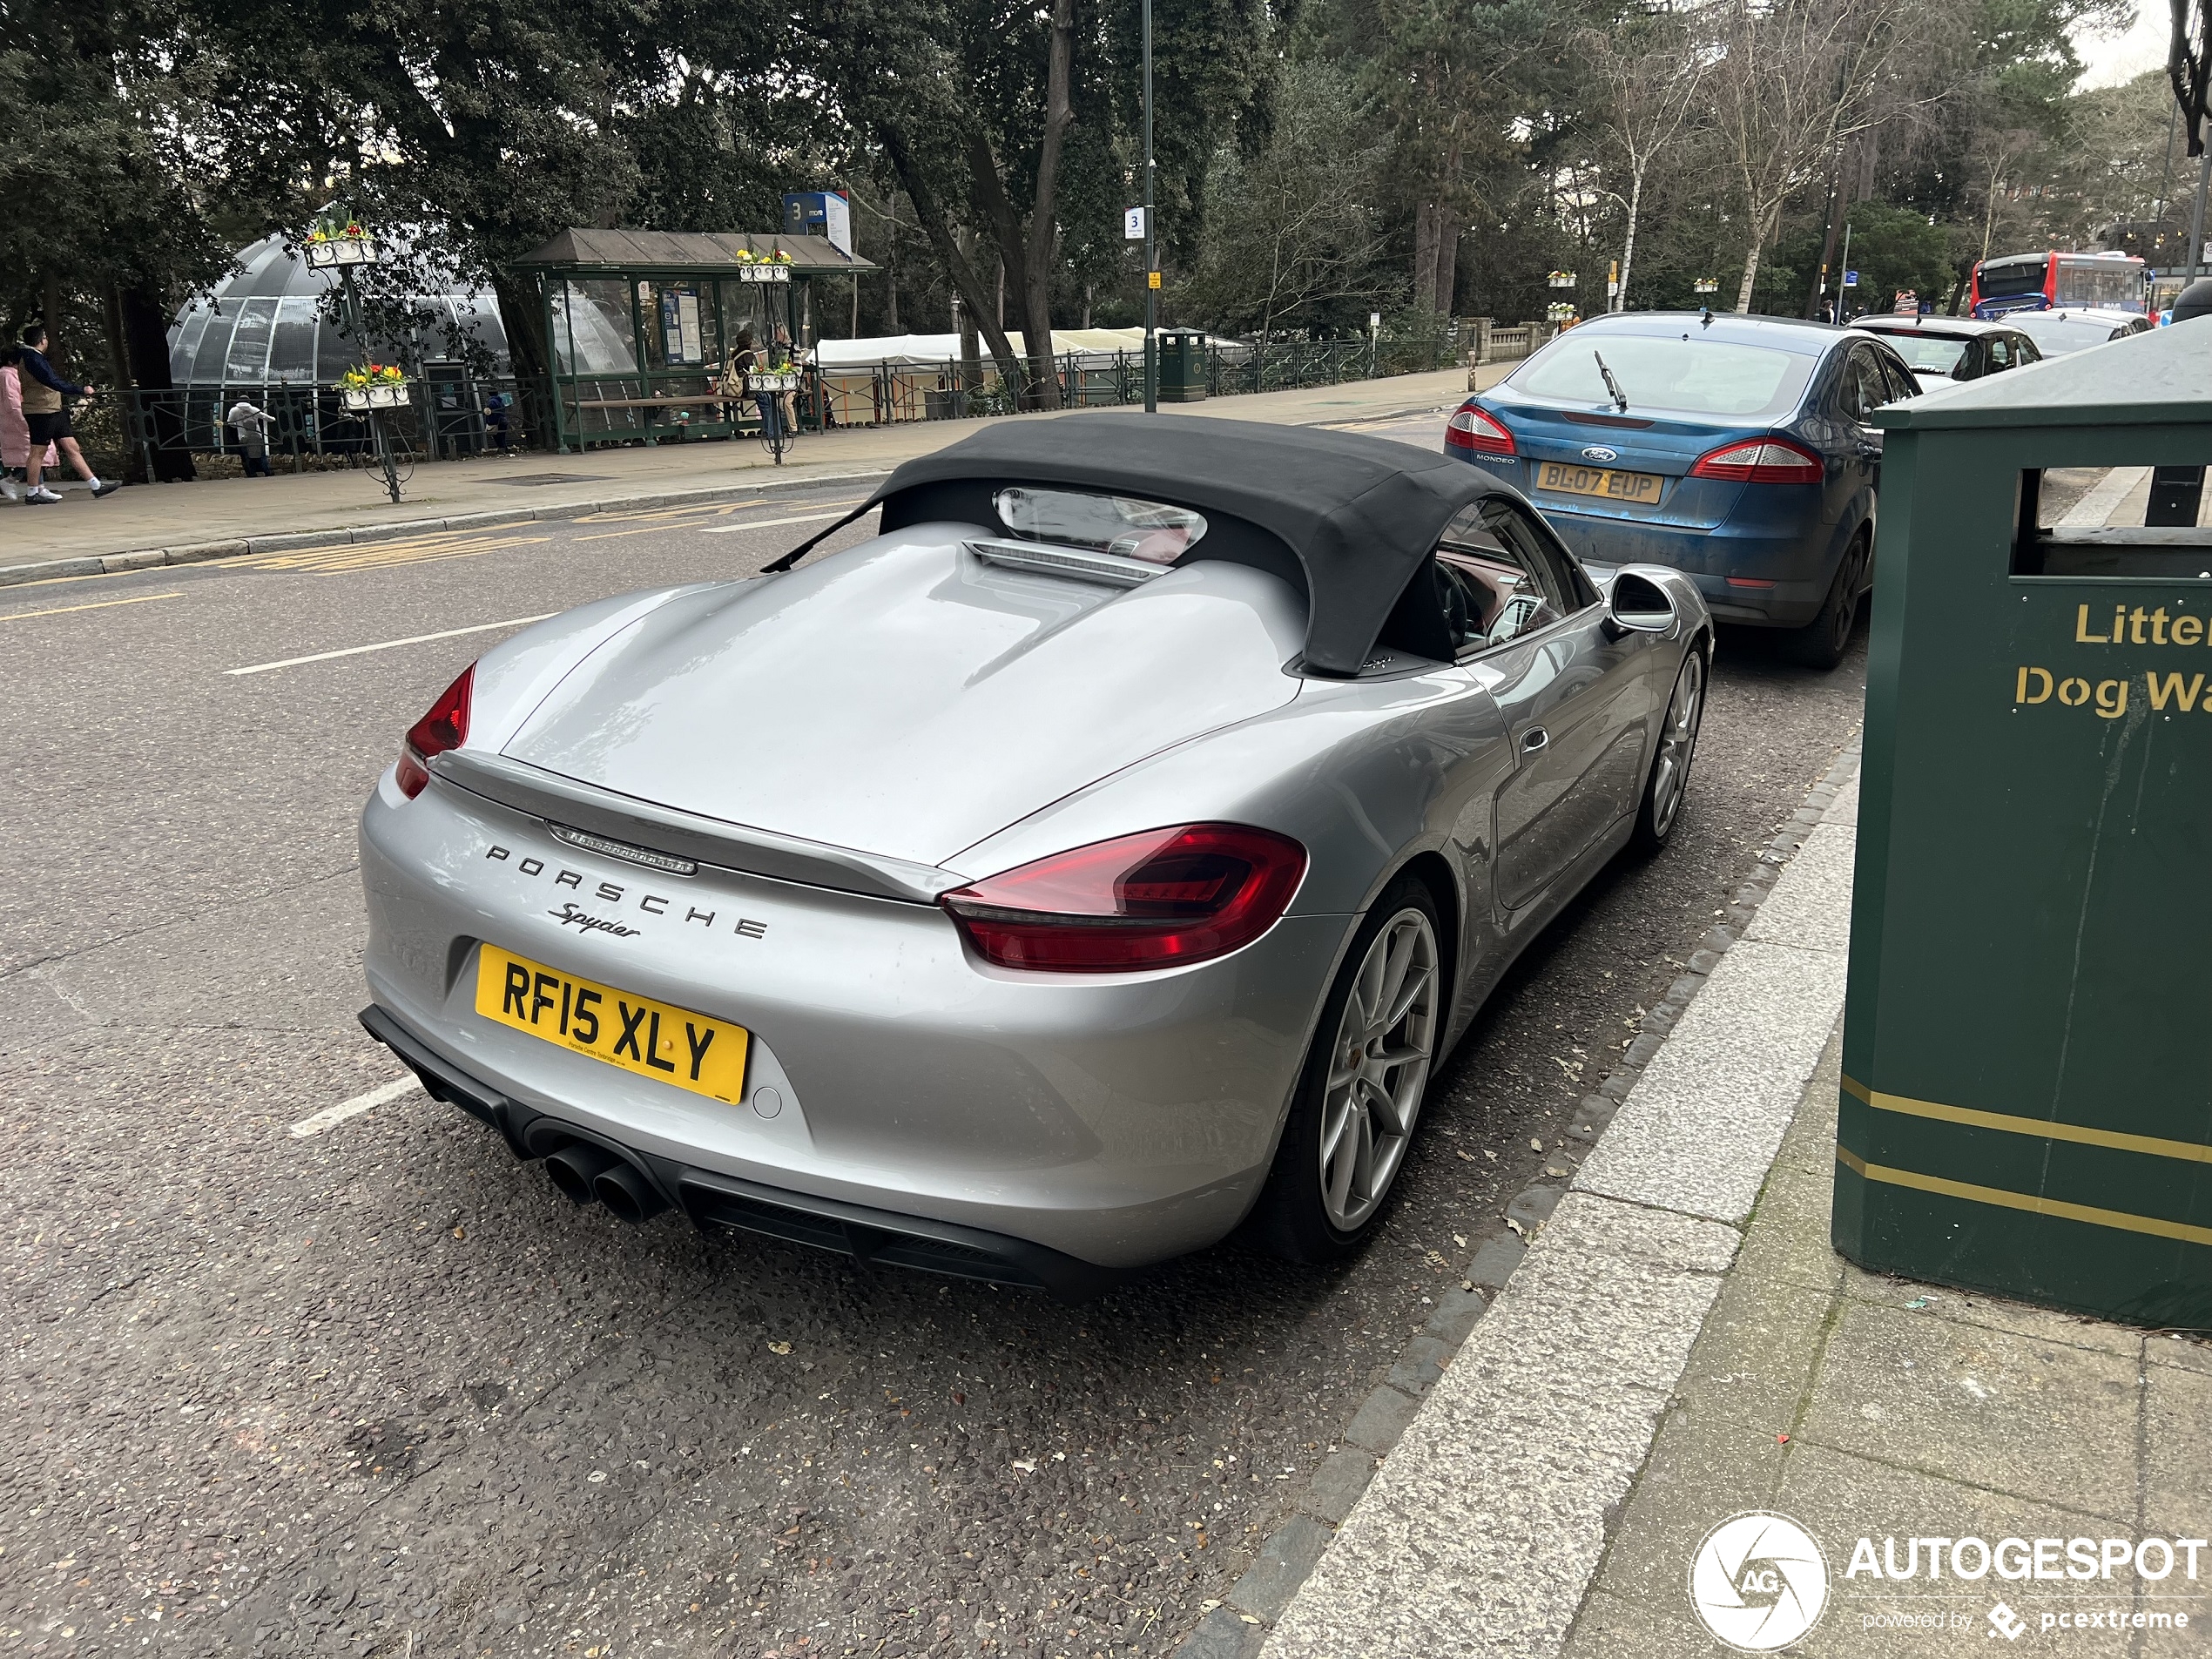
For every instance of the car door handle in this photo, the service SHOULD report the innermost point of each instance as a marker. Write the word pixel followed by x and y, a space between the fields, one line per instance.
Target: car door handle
pixel 1534 738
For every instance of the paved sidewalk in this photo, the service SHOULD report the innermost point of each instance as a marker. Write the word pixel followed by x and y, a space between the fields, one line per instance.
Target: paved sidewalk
pixel 1680 1344
pixel 220 517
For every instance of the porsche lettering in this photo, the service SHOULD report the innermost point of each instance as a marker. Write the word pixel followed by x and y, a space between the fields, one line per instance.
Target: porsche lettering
pixel 651 904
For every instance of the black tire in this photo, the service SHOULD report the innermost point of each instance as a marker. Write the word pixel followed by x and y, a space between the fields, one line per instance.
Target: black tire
pixel 1667 784
pixel 1296 1216
pixel 1822 642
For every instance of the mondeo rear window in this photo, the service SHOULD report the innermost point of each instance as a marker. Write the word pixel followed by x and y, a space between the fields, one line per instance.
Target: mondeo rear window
pixel 1135 529
pixel 1695 375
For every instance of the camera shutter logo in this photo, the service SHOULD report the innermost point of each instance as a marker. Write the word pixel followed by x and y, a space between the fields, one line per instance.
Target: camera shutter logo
pixel 1758 1581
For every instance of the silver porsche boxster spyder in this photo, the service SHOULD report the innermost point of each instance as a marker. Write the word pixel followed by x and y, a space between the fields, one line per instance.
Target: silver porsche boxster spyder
pixel 1101 857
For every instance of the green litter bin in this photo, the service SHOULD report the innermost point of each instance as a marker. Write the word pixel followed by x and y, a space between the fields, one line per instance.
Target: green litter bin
pixel 2027 1102
pixel 1182 365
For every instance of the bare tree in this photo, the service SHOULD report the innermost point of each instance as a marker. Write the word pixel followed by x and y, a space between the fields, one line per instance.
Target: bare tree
pixel 1793 80
pixel 1651 75
pixel 1293 227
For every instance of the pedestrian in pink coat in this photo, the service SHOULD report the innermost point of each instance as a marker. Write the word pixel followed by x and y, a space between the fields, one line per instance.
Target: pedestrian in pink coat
pixel 15 432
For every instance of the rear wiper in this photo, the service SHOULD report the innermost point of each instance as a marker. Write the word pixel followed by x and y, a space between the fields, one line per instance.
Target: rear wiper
pixel 1619 398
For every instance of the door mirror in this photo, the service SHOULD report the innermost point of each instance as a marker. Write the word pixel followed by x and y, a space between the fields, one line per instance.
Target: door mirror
pixel 1636 604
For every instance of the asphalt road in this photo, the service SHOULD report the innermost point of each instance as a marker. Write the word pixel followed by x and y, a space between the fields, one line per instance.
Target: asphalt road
pixel 381 1390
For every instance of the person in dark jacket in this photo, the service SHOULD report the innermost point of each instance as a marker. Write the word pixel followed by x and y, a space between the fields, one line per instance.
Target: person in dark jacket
pixel 45 411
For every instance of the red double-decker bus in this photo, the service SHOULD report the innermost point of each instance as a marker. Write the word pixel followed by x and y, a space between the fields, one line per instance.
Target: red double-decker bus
pixel 2048 281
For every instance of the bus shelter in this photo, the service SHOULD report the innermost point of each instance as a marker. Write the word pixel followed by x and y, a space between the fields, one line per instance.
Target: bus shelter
pixel 641 324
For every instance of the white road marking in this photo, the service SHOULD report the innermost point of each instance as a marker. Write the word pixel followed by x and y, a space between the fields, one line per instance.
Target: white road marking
pixel 390 644
pixel 330 1116
pixel 766 523
pixel 103 604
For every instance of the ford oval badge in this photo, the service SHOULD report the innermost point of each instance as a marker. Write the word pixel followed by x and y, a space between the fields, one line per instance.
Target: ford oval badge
pixel 1599 452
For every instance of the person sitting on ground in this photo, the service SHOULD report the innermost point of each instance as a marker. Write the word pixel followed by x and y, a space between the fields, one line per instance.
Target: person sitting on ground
pixel 497 417
pixel 252 423
pixel 46 413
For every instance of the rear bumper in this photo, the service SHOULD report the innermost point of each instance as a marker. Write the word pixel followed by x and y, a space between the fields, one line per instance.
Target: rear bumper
pixel 709 1198
pixel 1780 578
pixel 1113 1119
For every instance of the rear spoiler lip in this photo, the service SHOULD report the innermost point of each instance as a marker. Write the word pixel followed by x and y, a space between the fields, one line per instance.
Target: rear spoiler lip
pixel 743 847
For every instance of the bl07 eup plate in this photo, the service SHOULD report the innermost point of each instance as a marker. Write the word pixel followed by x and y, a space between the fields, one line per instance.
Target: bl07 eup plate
pixel 655 1040
pixel 1640 488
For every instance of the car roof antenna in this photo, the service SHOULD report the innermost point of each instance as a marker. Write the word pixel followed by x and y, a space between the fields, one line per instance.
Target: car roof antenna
pixel 1619 398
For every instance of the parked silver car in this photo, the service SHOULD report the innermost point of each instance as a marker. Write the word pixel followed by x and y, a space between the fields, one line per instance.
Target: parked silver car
pixel 1104 855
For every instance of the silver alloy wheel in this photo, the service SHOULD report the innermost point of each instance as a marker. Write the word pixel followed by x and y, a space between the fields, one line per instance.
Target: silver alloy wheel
pixel 1377 1069
pixel 1677 744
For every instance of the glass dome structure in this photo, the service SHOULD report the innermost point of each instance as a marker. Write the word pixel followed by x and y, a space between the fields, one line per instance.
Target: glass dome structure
pixel 265 324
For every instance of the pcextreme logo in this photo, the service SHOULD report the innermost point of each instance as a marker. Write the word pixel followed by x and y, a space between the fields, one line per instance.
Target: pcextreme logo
pixel 1758 1581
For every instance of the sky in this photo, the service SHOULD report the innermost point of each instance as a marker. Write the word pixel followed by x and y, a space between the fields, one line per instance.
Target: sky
pixel 2113 58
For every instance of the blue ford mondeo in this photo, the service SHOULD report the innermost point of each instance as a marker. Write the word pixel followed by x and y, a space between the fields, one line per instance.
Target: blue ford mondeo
pixel 1736 449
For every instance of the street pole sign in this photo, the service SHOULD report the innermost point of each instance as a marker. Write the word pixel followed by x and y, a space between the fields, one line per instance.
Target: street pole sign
pixel 1133 225
pixel 1151 246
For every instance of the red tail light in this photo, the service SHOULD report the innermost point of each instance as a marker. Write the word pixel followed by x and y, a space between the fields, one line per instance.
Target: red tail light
pixel 1157 900
pixel 446 726
pixel 1479 430
pixel 1761 461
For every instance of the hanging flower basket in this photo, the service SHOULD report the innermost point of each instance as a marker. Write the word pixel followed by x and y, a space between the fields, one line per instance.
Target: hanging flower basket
pixel 333 242
pixel 375 397
pixel 374 386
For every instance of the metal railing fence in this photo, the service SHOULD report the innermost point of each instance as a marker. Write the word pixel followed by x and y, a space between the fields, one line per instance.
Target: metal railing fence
pixel 446 418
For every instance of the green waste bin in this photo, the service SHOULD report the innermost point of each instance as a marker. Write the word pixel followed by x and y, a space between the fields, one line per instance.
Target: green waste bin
pixel 2027 1102
pixel 1182 365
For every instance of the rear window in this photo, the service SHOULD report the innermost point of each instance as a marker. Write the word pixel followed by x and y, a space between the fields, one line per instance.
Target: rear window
pixel 2054 335
pixel 1692 374
pixel 1135 529
pixel 1923 351
pixel 2009 281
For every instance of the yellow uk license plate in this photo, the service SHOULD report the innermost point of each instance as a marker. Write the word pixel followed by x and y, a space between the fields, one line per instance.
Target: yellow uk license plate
pixel 1641 487
pixel 655 1039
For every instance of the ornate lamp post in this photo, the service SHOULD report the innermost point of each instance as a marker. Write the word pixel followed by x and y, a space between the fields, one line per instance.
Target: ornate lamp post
pixel 344 246
pixel 779 379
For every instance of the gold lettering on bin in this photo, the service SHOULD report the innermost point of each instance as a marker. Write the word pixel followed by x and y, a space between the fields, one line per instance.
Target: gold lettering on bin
pixel 2112 697
pixel 2073 692
pixel 2042 693
pixel 2081 634
pixel 2188 631
pixel 2169 689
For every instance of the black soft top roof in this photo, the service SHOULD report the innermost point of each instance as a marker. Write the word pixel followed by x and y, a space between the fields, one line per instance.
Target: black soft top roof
pixel 1360 514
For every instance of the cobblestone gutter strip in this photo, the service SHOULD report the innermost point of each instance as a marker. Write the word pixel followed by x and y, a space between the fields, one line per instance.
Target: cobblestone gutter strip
pixel 199 552
pixel 1516 1420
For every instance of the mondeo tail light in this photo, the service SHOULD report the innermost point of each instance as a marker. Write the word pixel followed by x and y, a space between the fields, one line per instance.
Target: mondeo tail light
pixel 446 726
pixel 1476 429
pixel 1155 899
pixel 1761 461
